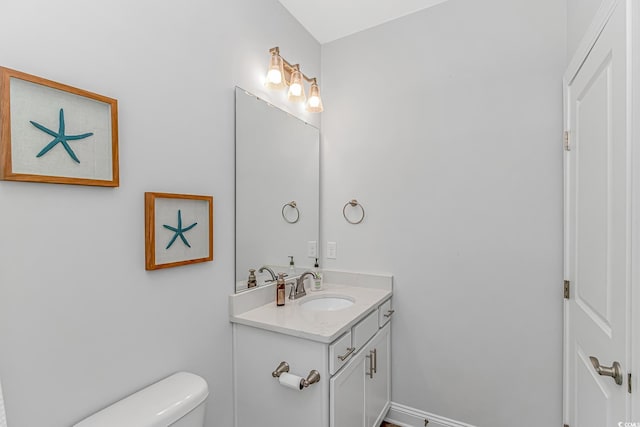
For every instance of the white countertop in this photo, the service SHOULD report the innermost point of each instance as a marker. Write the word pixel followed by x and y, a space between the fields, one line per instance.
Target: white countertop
pixel 320 326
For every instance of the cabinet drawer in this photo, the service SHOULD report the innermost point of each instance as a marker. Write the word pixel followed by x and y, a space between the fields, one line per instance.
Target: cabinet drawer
pixel 384 313
pixel 364 330
pixel 340 352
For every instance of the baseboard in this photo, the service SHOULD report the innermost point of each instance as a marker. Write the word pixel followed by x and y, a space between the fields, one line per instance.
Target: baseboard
pixel 405 416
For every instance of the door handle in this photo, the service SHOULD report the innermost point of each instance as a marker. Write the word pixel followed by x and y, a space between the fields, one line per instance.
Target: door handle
pixel 614 371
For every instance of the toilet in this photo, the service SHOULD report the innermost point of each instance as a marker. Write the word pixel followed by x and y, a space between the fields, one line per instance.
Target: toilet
pixel 176 401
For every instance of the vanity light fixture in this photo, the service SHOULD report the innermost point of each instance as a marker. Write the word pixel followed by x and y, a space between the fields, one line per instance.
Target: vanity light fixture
pixel 282 74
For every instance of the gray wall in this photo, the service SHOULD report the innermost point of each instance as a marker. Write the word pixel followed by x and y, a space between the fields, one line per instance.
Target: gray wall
pixel 455 155
pixel 580 13
pixel 446 125
pixel 82 324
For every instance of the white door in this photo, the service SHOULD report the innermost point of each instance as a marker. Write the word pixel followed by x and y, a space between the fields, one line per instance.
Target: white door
pixel 597 228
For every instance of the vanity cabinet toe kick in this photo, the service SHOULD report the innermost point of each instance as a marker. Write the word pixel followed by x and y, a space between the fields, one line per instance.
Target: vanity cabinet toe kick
pixel 355 372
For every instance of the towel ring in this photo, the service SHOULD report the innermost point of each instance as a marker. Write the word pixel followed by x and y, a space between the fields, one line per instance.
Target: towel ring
pixel 353 203
pixel 292 205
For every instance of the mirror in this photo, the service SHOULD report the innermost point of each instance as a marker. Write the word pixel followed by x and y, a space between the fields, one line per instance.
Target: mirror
pixel 277 163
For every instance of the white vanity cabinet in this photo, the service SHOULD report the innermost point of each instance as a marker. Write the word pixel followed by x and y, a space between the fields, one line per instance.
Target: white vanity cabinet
pixel 355 374
pixel 377 389
pixel 347 395
pixel 360 393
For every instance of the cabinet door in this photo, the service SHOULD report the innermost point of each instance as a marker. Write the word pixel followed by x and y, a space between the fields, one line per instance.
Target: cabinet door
pixel 377 385
pixel 347 395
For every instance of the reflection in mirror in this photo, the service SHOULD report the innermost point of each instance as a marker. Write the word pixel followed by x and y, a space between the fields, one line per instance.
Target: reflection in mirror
pixel 277 189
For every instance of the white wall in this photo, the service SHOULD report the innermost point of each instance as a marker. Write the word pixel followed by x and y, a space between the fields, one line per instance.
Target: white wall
pixel 446 125
pixel 580 13
pixel 82 324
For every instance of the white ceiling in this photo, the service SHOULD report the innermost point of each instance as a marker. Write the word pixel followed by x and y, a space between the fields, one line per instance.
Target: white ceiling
pixel 328 20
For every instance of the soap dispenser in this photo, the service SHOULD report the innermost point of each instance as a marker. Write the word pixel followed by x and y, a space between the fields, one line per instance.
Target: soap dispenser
pixel 280 290
pixel 292 267
pixel 252 282
pixel 317 281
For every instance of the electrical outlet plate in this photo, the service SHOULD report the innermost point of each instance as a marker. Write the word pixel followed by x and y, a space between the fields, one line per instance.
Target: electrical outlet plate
pixel 332 250
pixel 312 249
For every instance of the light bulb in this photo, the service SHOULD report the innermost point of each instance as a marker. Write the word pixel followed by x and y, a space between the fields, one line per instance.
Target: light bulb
pixel 274 75
pixel 296 88
pixel 314 103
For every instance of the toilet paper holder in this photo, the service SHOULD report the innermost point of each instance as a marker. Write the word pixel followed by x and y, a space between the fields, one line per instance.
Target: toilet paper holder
pixel 312 378
pixel 282 367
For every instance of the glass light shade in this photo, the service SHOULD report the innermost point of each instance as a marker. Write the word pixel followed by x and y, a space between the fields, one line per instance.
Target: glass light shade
pixel 314 103
pixel 275 75
pixel 296 89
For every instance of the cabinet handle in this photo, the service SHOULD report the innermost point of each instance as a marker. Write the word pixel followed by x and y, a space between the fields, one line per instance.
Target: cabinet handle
pixel 389 313
pixel 347 354
pixel 373 362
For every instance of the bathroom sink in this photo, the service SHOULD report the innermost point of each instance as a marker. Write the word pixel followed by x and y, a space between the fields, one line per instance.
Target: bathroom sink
pixel 327 303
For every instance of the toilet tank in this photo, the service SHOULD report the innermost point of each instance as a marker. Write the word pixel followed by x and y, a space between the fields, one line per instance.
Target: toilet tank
pixel 176 401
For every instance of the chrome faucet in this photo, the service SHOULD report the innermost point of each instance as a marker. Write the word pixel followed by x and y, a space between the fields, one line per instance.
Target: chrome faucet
pixel 298 291
pixel 273 275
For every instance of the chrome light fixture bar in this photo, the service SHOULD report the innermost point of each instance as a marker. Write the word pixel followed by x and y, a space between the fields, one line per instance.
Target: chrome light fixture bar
pixel 282 74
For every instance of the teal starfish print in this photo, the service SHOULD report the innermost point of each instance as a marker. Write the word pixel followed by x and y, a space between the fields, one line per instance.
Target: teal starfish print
pixel 179 231
pixel 60 138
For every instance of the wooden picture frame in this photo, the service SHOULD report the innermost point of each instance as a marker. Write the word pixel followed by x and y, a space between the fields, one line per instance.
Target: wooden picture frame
pixel 178 229
pixel 54 133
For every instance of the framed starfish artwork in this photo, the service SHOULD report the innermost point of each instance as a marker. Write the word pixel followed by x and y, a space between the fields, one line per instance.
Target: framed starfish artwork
pixel 178 229
pixel 54 133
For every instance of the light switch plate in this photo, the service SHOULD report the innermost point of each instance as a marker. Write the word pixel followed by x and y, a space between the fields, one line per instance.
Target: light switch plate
pixel 312 249
pixel 332 250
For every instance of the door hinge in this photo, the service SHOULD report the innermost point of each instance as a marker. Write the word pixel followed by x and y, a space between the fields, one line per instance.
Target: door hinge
pixel 426 421
pixel 567 289
pixel 566 145
pixel 629 381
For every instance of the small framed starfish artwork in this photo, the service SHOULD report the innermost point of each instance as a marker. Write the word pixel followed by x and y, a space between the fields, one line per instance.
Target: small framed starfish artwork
pixel 54 133
pixel 178 229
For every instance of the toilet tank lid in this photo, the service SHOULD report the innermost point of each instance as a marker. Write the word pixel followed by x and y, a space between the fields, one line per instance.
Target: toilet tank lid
pixel 160 404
